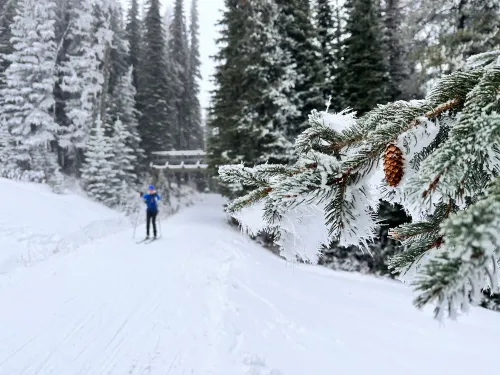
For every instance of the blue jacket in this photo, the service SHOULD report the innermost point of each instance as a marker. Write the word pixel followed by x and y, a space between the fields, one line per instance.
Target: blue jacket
pixel 150 200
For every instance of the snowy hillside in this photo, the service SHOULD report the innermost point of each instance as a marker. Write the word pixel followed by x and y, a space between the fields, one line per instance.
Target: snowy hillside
pixel 204 300
pixel 36 224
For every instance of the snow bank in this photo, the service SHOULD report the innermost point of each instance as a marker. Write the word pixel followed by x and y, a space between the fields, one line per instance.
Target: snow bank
pixel 36 223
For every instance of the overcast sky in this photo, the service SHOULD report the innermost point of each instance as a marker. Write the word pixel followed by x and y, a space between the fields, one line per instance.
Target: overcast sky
pixel 210 12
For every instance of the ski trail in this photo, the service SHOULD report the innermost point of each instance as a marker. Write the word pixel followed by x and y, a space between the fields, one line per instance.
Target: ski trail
pixel 120 308
pixel 218 302
pixel 205 300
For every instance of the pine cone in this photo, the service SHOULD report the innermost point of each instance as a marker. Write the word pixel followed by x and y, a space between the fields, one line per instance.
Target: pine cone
pixel 393 165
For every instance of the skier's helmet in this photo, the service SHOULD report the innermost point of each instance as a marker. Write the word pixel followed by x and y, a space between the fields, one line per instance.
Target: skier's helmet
pixel 151 187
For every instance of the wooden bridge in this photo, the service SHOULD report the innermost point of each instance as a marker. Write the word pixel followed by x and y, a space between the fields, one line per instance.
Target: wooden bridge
pixel 181 160
pixel 187 167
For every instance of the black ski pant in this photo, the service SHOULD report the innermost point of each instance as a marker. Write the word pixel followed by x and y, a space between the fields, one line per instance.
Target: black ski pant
pixel 151 216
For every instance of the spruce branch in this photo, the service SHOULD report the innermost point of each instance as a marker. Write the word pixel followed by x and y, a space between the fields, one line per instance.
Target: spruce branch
pixel 316 137
pixel 469 143
pixel 455 86
pixel 324 134
pixel 482 59
pixel 467 262
pixel 248 199
pixel 362 162
pixel 419 238
pixel 258 176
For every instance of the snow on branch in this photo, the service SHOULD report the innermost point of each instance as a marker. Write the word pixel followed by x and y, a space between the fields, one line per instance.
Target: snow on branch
pixel 257 176
pixel 470 146
pixel 467 260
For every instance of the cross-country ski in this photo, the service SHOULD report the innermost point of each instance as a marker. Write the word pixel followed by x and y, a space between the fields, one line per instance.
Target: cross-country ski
pixel 151 240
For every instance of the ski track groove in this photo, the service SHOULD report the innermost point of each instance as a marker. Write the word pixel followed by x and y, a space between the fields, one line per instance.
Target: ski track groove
pixel 66 338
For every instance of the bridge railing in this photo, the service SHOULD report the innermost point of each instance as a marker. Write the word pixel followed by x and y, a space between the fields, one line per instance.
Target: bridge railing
pixel 179 160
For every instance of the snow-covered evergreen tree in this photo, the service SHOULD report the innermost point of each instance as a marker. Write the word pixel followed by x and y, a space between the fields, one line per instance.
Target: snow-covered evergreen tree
pixel 28 100
pixel 104 36
pixel 252 121
pixel 47 168
pixel 98 173
pixel 299 41
pixel 364 69
pixel 119 52
pixel 225 139
pixel 133 30
pixel 7 13
pixel 437 157
pixel 337 85
pixel 154 91
pixel 267 86
pixel 454 31
pixel 325 28
pixel 195 131
pixel 396 52
pixel 124 109
pixel 7 164
pixel 124 158
pixel 178 60
pixel 80 79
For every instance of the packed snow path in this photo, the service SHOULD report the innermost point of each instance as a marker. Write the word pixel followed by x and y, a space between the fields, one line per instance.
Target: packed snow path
pixel 205 300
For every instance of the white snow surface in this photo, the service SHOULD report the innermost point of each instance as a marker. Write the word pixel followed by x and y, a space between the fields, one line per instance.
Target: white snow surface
pixel 36 224
pixel 339 121
pixel 206 300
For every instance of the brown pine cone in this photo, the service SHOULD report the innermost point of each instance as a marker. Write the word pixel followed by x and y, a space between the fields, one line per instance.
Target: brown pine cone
pixel 393 165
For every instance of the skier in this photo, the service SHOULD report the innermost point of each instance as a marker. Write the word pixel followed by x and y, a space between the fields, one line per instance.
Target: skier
pixel 151 200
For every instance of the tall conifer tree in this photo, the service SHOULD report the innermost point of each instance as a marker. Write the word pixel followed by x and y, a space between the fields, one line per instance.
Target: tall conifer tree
pixel 396 54
pixel 325 26
pixel 123 108
pixel 80 81
pixel 28 100
pixel 364 69
pixel 195 135
pixel 338 47
pixel 7 13
pixel 153 92
pixel 266 87
pixel 254 107
pixel 299 40
pixel 119 53
pixel 178 59
pixel 98 169
pixel 133 30
pixel 225 139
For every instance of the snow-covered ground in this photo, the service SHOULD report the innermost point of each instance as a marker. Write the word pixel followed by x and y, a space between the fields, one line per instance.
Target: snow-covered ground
pixel 206 300
pixel 35 224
